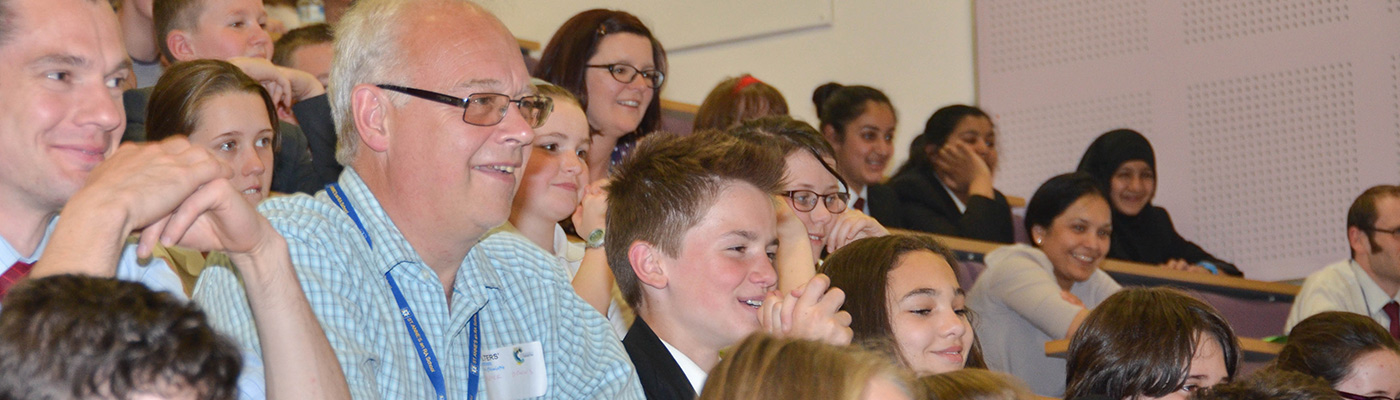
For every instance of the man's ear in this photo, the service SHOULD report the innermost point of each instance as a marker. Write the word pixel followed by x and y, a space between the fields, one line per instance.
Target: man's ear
pixel 648 264
pixel 1360 242
pixel 179 43
pixel 368 106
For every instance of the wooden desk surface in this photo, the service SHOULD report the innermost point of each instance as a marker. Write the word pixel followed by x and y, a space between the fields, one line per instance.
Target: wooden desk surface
pixel 679 106
pixel 1015 202
pixel 1254 349
pixel 1143 274
pixel 1135 273
pixel 528 44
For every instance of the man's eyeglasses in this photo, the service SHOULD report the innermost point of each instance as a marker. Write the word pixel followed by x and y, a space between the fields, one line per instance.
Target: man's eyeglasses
pixel 626 74
pixel 1393 232
pixel 806 200
pixel 1354 396
pixel 486 109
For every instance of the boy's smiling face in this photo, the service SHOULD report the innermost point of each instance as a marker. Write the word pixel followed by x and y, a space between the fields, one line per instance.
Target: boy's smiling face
pixel 227 29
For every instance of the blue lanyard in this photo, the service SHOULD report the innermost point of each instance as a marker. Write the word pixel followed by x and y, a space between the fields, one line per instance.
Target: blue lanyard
pixel 425 349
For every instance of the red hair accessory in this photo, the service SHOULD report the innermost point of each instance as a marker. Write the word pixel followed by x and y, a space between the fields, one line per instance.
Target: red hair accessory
pixel 745 82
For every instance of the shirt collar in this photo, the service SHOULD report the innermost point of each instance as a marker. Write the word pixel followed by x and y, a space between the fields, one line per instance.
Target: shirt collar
pixel 564 249
pixel 864 193
pixel 693 372
pixel 8 254
pixel 1372 293
pixel 393 248
pixel 962 208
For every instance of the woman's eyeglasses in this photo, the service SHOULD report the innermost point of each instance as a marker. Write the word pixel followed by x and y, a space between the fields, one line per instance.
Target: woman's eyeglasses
pixel 626 74
pixel 1354 396
pixel 806 200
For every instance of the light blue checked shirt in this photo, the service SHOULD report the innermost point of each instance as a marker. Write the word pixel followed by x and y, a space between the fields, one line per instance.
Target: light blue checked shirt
pixel 521 295
pixel 157 276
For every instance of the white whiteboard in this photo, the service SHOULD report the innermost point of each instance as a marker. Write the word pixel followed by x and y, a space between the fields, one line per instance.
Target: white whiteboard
pixel 677 24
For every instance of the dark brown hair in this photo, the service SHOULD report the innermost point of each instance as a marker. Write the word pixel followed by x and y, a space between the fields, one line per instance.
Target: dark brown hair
pixel 1325 345
pixel 564 61
pixel 1270 384
pixel 1363 215
pixel 1109 355
pixel 788 135
pixel 939 126
pixel 739 99
pixel 862 270
pixel 297 38
pixel 1057 194
pixel 183 89
pixel 669 184
pixel 72 336
pixel 838 105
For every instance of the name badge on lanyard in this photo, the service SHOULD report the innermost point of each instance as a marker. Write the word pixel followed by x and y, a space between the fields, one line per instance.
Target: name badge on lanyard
pixel 422 347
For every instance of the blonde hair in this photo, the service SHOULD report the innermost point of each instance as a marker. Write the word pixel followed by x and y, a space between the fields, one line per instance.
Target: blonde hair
pixel 766 367
pixel 974 384
pixel 555 92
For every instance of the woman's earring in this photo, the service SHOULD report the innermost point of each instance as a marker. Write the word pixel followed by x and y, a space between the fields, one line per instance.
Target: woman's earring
pixel 1037 241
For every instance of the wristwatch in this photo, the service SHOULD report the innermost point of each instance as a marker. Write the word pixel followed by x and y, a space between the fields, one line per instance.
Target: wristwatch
pixel 594 239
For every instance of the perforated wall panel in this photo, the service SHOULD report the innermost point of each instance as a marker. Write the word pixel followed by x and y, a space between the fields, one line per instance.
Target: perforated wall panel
pixel 1268 116
pixel 1270 153
pixel 1395 99
pixel 1211 20
pixel 1040 33
pixel 1040 138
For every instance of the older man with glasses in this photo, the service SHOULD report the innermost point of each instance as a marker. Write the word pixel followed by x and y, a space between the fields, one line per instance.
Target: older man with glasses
pixel 435 113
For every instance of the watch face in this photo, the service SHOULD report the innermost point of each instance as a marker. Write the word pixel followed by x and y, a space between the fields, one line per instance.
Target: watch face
pixel 596 236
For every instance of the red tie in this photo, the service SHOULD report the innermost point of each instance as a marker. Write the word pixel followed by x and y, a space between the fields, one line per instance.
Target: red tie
pixel 859 204
pixel 13 276
pixel 1392 309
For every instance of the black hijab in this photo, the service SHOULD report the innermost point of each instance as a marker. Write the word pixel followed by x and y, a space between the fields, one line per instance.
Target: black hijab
pixel 1148 237
pixel 1136 234
pixel 1110 151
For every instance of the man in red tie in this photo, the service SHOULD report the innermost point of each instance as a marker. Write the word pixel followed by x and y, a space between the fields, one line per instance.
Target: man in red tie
pixel 61 117
pixel 1368 283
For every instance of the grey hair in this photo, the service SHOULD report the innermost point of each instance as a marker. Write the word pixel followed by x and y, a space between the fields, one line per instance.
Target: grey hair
pixel 366 51
pixel 368 43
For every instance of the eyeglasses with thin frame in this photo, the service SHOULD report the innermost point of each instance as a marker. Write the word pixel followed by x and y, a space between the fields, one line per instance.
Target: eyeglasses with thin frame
pixel 1354 396
pixel 806 200
pixel 626 74
pixel 486 109
pixel 1393 232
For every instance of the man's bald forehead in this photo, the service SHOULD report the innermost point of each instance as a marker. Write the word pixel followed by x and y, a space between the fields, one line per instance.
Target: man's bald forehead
pixel 436 31
pixel 466 15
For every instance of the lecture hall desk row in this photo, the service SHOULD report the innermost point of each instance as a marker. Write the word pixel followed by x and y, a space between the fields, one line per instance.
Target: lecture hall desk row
pixel 1255 309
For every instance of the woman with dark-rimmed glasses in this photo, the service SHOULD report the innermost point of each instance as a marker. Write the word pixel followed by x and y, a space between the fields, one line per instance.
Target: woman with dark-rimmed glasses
pixel 612 63
pixel 814 193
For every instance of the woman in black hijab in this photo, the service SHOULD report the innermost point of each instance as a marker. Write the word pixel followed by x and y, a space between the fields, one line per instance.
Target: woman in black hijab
pixel 1123 163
